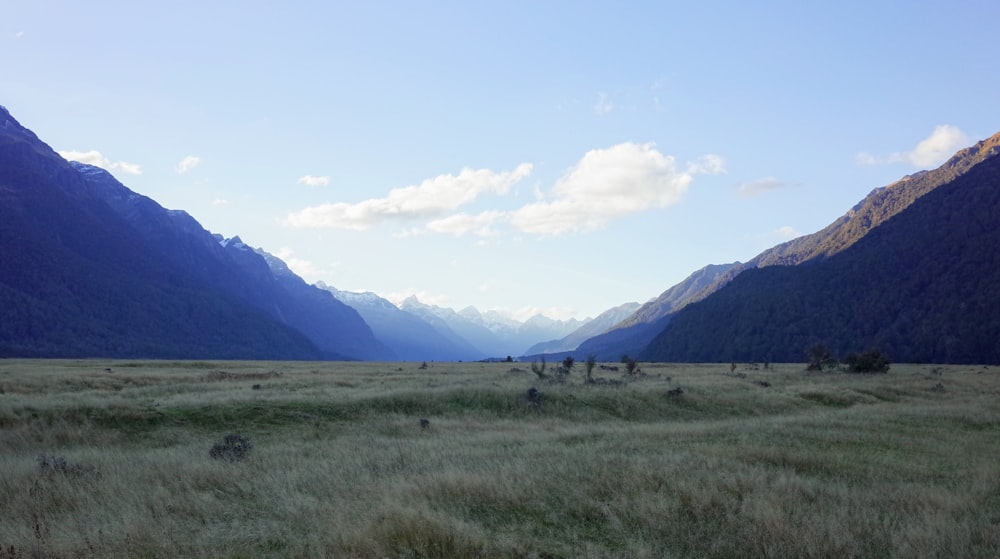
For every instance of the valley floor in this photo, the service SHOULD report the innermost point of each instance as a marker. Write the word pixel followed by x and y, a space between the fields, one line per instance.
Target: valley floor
pixel 132 459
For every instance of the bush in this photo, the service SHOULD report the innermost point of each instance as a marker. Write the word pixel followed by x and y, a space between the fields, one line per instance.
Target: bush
pixel 819 358
pixel 538 369
pixel 867 362
pixel 591 362
pixel 232 448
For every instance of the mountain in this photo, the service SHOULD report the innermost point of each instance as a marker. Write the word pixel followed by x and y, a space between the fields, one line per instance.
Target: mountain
pixel 598 325
pixel 230 266
pixel 876 208
pixel 492 334
pixel 630 336
pixel 78 280
pixel 410 337
pixel 91 268
pixel 333 326
pixel 914 270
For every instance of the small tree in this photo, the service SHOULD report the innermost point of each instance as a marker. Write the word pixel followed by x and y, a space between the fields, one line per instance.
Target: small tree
pixel 819 357
pixel 630 364
pixel 568 363
pixel 591 362
pixel 538 369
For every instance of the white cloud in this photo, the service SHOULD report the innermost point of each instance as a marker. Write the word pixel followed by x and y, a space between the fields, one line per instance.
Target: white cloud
pixel 938 147
pixel 462 224
pixel 932 151
pixel 787 232
pixel 431 198
pixel 220 202
pixel 606 184
pixel 604 105
pixel 865 158
pixel 759 186
pixel 304 268
pixel 707 165
pixel 19 34
pixel 186 164
pixel 310 180
pixel 97 159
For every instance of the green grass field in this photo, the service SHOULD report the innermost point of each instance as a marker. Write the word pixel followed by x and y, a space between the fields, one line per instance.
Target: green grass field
pixel 112 459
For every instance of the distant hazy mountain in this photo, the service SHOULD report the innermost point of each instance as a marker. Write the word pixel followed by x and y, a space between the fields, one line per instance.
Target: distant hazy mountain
pixel 913 270
pixel 410 337
pixel 491 333
pixel 600 324
pixel 91 268
pixel 631 335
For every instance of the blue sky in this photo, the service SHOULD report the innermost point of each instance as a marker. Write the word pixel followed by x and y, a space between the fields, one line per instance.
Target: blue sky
pixel 549 156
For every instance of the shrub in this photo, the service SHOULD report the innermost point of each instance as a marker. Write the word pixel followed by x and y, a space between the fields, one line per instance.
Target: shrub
pixel 820 357
pixel 591 362
pixel 232 448
pixel 867 362
pixel 568 363
pixel 630 365
pixel 538 369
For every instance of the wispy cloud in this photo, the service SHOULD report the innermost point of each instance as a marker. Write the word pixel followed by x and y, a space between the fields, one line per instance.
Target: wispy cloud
pixel 186 164
pixel 458 225
pixel 311 180
pixel 932 151
pixel 707 165
pixel 606 184
pixel 304 268
pixel 759 186
pixel 603 105
pixel 19 34
pixel 220 202
pixel 786 232
pixel 430 199
pixel 97 159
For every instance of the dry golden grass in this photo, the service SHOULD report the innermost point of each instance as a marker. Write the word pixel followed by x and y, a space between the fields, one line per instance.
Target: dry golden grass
pixel 813 465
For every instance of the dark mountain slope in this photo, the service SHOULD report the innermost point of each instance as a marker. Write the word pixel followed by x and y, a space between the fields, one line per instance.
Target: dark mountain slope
pixel 880 205
pixel 923 286
pixel 633 334
pixel 229 266
pixel 328 322
pixel 76 280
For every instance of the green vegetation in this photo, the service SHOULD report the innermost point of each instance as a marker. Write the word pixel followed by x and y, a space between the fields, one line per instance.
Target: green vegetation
pixel 370 460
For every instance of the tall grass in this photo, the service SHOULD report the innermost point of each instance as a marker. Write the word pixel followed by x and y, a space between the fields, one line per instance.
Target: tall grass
pixel 813 465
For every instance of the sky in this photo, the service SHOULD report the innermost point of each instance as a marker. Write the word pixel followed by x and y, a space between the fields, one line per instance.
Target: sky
pixel 520 156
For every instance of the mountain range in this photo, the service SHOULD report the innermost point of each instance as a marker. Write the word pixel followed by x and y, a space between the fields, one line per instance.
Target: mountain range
pixel 89 268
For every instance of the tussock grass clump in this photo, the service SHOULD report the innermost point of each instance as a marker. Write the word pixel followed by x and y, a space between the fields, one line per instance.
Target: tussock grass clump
pixel 59 465
pixel 232 448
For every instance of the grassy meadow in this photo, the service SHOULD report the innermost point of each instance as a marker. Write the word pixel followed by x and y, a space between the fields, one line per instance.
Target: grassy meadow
pixel 112 459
